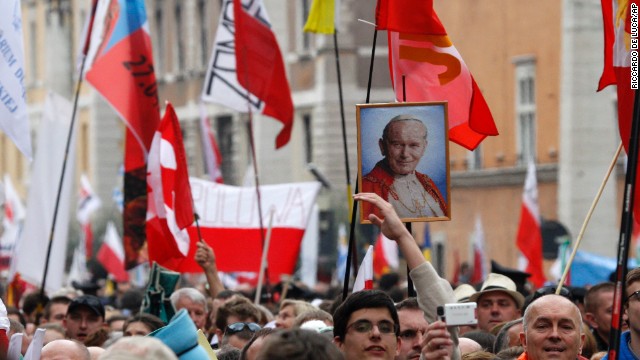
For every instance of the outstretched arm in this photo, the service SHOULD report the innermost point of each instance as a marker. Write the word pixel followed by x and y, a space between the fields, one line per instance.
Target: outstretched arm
pixel 431 288
pixel 393 228
pixel 206 258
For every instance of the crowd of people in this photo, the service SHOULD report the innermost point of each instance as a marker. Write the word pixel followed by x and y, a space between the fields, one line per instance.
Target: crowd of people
pixel 368 324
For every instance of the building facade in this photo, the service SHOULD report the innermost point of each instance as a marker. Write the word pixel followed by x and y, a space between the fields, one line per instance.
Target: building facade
pixel 537 65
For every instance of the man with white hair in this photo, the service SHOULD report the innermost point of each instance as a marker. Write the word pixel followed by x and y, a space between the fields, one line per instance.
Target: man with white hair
pixel 194 302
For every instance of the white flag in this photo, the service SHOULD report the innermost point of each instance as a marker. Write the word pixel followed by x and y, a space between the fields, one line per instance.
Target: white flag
pixel 221 82
pixel 32 246
pixel 14 119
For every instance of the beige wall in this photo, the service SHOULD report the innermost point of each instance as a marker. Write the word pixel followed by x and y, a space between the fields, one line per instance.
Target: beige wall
pixel 489 34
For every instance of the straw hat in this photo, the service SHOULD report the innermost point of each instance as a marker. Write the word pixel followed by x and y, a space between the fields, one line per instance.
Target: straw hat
pixel 463 292
pixel 498 282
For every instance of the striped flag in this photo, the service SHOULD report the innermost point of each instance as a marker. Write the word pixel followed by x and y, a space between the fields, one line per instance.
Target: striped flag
pixel 529 238
pixel 364 279
pixel 111 254
pixel 385 256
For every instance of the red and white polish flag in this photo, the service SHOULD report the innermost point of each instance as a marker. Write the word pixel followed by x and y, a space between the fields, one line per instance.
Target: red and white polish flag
pixel 529 238
pixel 111 254
pixel 364 279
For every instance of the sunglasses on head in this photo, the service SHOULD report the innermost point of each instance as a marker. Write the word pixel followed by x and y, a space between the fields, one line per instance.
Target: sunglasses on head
pixel 548 290
pixel 239 326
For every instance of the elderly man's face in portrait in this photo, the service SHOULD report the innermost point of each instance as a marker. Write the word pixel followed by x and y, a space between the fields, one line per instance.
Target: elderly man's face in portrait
pixel 404 145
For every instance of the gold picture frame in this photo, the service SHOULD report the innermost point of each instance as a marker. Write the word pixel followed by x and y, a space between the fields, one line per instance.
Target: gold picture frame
pixel 403 156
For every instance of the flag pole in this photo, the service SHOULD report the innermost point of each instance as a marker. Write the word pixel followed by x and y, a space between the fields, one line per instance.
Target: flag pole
pixel 256 179
pixel 85 50
pixel 626 228
pixel 343 122
pixel 567 267
pixel 351 248
pixel 263 261
pixel 411 292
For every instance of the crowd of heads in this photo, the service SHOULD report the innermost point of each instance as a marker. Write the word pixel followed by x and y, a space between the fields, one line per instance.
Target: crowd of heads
pixel 548 323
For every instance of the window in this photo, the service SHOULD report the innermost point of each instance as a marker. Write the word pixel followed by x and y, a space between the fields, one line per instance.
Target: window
pixel 474 159
pixel 224 130
pixel 308 138
pixel 204 43
pixel 526 109
pixel 33 50
pixel 179 40
pixel 159 44
pixel 304 42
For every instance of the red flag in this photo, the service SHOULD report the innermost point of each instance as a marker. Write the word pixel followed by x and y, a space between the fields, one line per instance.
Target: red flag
pixel 617 66
pixel 170 204
pixel 229 223
pixel 434 70
pixel 260 69
pixel 120 51
pixel 120 67
pixel 407 16
pixel 385 256
pixel 364 279
pixel 529 239
pixel 111 254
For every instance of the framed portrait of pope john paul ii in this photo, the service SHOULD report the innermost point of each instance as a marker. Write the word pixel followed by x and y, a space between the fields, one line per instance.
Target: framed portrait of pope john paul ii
pixel 403 156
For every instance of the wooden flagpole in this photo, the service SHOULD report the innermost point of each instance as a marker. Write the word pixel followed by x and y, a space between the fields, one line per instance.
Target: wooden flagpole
pixel 626 228
pixel 567 267
pixel 411 292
